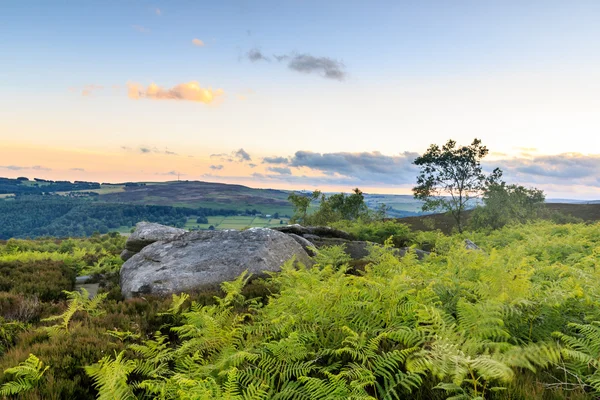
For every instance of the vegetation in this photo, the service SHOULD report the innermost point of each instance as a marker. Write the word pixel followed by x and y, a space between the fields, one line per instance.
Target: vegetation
pixel 504 204
pixel 23 185
pixel 35 216
pixel 451 177
pixel 336 207
pixel 516 320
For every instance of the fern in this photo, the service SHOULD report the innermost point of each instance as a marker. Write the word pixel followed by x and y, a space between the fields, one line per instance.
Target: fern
pixel 26 376
pixel 110 377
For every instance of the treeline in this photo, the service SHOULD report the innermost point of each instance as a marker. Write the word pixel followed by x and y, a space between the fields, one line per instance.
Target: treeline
pixel 23 185
pixel 37 216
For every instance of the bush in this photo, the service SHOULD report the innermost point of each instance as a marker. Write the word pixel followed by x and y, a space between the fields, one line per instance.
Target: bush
pixel 378 231
pixel 45 279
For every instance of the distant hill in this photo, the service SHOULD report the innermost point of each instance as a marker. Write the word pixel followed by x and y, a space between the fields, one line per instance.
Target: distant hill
pixel 196 194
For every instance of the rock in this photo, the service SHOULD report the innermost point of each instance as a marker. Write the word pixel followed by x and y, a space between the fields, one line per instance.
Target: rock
pixel 321 231
pixel 204 259
pixel 421 254
pixel 308 246
pixel 469 245
pixel 147 233
pixel 83 279
pixel 127 254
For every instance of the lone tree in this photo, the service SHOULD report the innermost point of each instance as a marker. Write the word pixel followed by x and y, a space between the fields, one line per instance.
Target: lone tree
pixel 450 177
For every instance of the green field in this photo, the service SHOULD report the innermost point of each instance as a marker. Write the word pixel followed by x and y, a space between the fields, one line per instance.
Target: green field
pixel 236 222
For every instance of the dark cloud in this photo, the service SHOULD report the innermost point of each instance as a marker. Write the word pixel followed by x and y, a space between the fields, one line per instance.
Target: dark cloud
pixel 275 160
pixel 565 169
pixel 372 167
pixel 242 155
pixel 280 170
pixel 145 150
pixel 216 167
pixel 252 165
pixel 20 168
pixel 255 55
pixel 325 66
pixel 77 169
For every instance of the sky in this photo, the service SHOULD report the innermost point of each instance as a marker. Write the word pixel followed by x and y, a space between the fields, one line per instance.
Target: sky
pixel 299 94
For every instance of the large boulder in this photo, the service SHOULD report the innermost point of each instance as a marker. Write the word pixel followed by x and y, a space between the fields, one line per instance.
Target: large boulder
pixel 204 259
pixel 312 231
pixel 147 233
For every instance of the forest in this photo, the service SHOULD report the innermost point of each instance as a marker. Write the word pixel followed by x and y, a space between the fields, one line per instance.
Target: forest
pixel 34 216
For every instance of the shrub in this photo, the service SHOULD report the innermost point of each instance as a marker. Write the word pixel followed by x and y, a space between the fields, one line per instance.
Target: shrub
pixel 45 279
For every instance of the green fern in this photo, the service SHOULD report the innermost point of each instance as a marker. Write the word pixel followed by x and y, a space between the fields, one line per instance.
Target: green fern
pixel 26 376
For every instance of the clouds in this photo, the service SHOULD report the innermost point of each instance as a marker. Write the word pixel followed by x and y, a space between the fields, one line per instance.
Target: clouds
pixel 280 170
pixel 242 155
pixel 21 168
pixel 197 42
pixel 275 160
pixel 255 55
pixel 565 169
pixel 190 91
pixel 216 167
pixel 77 169
pixel 150 150
pixel 325 66
pixel 89 89
pixel 305 63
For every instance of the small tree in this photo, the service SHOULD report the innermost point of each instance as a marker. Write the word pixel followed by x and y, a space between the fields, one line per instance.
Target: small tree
pixel 451 177
pixel 504 204
pixel 301 203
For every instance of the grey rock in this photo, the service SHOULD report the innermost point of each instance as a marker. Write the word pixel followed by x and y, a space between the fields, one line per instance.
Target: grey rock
pixel 147 233
pixel 421 254
pixel 322 231
pixel 308 246
pixel 127 254
pixel 469 245
pixel 204 259
pixel 83 279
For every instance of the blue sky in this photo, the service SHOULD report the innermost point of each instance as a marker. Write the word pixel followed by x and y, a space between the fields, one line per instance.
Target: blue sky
pixel 403 74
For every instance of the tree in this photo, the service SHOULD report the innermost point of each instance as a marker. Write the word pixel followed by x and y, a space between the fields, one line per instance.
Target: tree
pixel 451 177
pixel 202 220
pixel 504 204
pixel 301 202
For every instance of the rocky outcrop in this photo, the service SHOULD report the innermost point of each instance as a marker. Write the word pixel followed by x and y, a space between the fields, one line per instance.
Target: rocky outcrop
pixel 314 231
pixel 204 259
pixel 147 233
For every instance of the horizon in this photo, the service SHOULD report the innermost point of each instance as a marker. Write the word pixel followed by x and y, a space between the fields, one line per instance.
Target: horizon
pixel 300 94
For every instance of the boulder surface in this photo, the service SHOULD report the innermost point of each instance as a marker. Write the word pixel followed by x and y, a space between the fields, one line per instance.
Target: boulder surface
pixel 147 233
pixel 204 259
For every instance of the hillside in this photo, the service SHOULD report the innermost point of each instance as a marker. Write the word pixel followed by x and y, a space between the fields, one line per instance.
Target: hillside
pixel 445 223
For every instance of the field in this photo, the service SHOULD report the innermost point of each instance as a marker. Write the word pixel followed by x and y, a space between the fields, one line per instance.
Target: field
pixel 236 222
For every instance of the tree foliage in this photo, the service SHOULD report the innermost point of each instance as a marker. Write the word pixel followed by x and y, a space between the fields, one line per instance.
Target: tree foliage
pixel 336 207
pixel 504 204
pixel 451 177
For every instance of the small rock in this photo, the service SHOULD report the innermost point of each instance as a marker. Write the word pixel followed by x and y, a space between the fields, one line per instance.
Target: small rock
pixel 469 245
